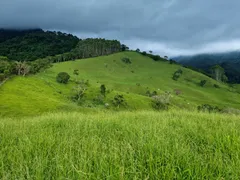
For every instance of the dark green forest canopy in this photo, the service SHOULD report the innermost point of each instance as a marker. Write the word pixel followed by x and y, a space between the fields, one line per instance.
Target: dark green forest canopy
pixel 35 44
pixel 29 45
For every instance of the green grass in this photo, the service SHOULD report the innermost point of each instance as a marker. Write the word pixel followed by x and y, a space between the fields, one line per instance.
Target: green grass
pixel 123 145
pixel 34 95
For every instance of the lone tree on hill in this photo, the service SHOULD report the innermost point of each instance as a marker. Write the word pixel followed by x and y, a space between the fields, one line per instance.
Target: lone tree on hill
pixel 137 50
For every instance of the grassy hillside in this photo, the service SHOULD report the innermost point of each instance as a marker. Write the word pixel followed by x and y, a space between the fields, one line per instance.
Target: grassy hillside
pixel 41 93
pixel 123 145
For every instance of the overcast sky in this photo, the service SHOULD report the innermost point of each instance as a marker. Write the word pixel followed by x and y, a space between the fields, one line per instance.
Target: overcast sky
pixel 167 27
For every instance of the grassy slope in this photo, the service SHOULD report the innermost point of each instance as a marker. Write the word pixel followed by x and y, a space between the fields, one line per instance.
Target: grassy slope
pixel 40 93
pixel 123 145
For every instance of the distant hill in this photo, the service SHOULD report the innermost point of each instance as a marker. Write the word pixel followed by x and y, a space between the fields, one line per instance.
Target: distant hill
pixel 229 61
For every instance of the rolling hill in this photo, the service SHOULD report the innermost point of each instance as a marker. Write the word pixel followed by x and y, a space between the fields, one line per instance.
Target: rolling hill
pixel 40 93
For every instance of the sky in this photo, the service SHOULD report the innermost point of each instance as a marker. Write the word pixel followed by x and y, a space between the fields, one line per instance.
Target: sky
pixel 166 27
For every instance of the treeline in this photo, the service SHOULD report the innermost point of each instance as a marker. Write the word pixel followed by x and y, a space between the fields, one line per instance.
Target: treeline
pixel 30 45
pixel 91 47
pixel 154 57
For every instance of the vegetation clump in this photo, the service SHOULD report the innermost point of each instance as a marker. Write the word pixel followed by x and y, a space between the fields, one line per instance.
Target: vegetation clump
pixel 216 86
pixel 177 74
pixel 203 82
pixel 151 94
pixel 208 108
pixel 119 101
pixel 161 102
pixel 126 60
pixel 63 77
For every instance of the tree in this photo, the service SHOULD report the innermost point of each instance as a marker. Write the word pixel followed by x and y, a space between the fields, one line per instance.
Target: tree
pixel 103 90
pixel 218 73
pixel 79 91
pixel 150 52
pixel 63 77
pixel 124 47
pixel 22 68
pixel 137 50
pixel 165 57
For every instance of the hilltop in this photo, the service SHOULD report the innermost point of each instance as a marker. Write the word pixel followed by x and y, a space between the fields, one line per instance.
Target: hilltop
pixel 39 93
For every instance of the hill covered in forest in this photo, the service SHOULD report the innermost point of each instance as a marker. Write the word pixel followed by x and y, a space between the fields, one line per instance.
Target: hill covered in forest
pixel 230 61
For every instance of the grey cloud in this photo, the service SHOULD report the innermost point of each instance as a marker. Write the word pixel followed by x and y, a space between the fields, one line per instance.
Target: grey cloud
pixel 168 26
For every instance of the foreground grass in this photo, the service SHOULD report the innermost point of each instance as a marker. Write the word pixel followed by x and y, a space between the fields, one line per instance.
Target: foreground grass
pixel 125 145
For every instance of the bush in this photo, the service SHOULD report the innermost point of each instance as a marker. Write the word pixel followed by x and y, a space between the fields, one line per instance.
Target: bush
pixel 208 108
pixel 149 94
pixel 216 86
pixel 63 77
pixel 203 82
pixel 98 100
pixel 161 102
pixel 126 60
pixel 119 101
pixel 75 72
pixel 177 74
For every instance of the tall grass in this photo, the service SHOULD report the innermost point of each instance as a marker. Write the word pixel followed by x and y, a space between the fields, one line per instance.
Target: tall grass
pixel 125 145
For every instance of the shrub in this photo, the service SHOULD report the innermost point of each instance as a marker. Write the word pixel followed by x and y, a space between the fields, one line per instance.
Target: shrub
pixel 63 77
pixel 216 86
pixel 161 102
pixel 126 60
pixel 119 101
pixel 203 82
pixel 177 74
pixel 208 108
pixel 75 72
pixel 151 94
pixel 98 100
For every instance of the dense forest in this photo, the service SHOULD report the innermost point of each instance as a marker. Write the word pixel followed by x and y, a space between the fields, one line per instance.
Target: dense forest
pixel 33 44
pixel 25 52
pixel 230 62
